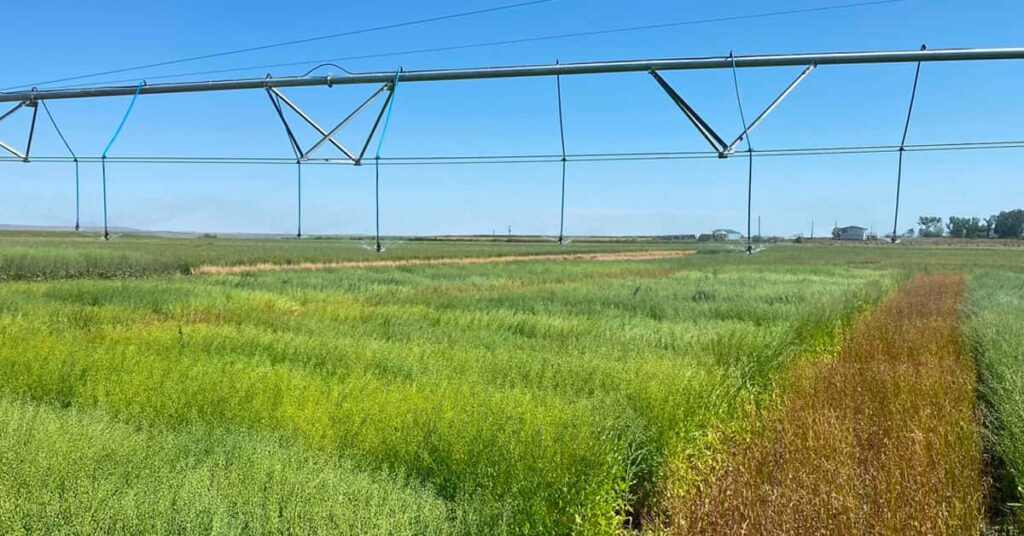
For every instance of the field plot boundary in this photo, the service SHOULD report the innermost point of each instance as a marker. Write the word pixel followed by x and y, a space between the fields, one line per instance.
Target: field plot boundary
pixel 457 261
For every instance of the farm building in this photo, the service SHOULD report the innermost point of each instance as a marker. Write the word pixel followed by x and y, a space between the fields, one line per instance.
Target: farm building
pixel 852 232
pixel 726 234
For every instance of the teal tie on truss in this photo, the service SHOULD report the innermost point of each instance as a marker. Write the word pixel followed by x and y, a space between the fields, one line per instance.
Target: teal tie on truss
pixel 387 116
pixel 376 158
pixel 103 159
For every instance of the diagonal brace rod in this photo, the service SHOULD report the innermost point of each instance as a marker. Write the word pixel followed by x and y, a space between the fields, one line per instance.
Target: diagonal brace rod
pixel 31 132
pixel 775 103
pixel 311 123
pixel 31 129
pixel 376 123
pixel 344 122
pixel 12 110
pixel 287 128
pixel 12 150
pixel 717 143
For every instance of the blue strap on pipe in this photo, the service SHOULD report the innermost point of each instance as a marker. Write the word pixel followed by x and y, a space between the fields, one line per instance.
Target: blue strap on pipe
pixel 124 119
pixel 387 118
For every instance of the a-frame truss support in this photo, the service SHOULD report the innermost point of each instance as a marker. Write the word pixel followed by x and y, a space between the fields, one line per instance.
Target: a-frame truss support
pixel 31 129
pixel 719 145
pixel 328 136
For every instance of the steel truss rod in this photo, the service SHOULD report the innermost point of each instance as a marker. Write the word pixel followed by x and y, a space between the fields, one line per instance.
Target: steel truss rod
pixel 775 103
pixel 716 142
pixel 345 121
pixel 276 103
pixel 12 110
pixel 276 98
pixel 31 130
pixel 298 111
pixel 721 62
pixel 376 123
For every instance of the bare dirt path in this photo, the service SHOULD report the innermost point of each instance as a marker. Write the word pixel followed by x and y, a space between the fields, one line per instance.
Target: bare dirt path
pixel 881 439
pixel 269 267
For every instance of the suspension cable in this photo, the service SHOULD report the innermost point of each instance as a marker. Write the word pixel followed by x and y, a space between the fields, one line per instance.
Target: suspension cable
pixel 561 134
pixel 103 159
pixel 376 158
pixel 750 151
pixel 298 169
pixel 902 149
pixel 78 212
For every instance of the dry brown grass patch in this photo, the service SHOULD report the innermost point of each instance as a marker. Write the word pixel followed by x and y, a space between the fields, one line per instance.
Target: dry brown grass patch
pixel 882 439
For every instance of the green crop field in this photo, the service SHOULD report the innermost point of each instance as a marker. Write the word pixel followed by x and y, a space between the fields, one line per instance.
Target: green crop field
pixel 996 329
pixel 51 255
pixel 540 397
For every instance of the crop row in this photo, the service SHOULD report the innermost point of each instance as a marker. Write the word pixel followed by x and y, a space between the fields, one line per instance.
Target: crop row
pixel 530 398
pixel 996 330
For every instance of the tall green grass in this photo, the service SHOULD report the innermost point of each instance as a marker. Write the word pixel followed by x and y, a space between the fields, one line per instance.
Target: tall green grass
pixel 996 329
pixel 532 398
pixel 40 256
pixel 79 471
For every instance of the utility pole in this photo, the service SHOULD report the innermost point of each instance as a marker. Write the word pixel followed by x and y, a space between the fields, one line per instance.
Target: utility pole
pixel 759 228
pixel 812 229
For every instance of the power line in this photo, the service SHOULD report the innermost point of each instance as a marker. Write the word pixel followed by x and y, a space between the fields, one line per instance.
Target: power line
pixel 288 43
pixel 507 42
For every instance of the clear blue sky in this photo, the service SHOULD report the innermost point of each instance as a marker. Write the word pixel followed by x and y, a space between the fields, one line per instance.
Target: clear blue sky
pixel 623 112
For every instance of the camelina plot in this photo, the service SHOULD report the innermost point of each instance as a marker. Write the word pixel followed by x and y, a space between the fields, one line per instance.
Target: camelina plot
pixel 880 440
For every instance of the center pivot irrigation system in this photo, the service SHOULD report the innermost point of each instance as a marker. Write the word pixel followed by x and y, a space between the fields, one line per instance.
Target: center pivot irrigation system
pixel 388 83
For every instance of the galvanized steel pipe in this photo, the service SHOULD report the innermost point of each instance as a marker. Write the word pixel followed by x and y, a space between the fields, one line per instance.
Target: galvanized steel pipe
pixel 724 62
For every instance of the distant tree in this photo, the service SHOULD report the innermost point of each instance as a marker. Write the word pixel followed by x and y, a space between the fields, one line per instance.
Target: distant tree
pixel 835 233
pixel 977 228
pixel 966 227
pixel 955 227
pixel 990 226
pixel 1009 224
pixel 929 226
pixel 909 233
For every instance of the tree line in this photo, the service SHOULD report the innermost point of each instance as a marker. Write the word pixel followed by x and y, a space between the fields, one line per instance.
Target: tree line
pixel 1006 224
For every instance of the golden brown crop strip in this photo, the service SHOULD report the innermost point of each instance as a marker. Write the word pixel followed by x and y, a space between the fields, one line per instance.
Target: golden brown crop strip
pixel 882 439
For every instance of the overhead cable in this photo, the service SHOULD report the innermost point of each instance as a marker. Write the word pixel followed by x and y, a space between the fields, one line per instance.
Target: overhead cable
pixel 288 43
pixel 505 42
